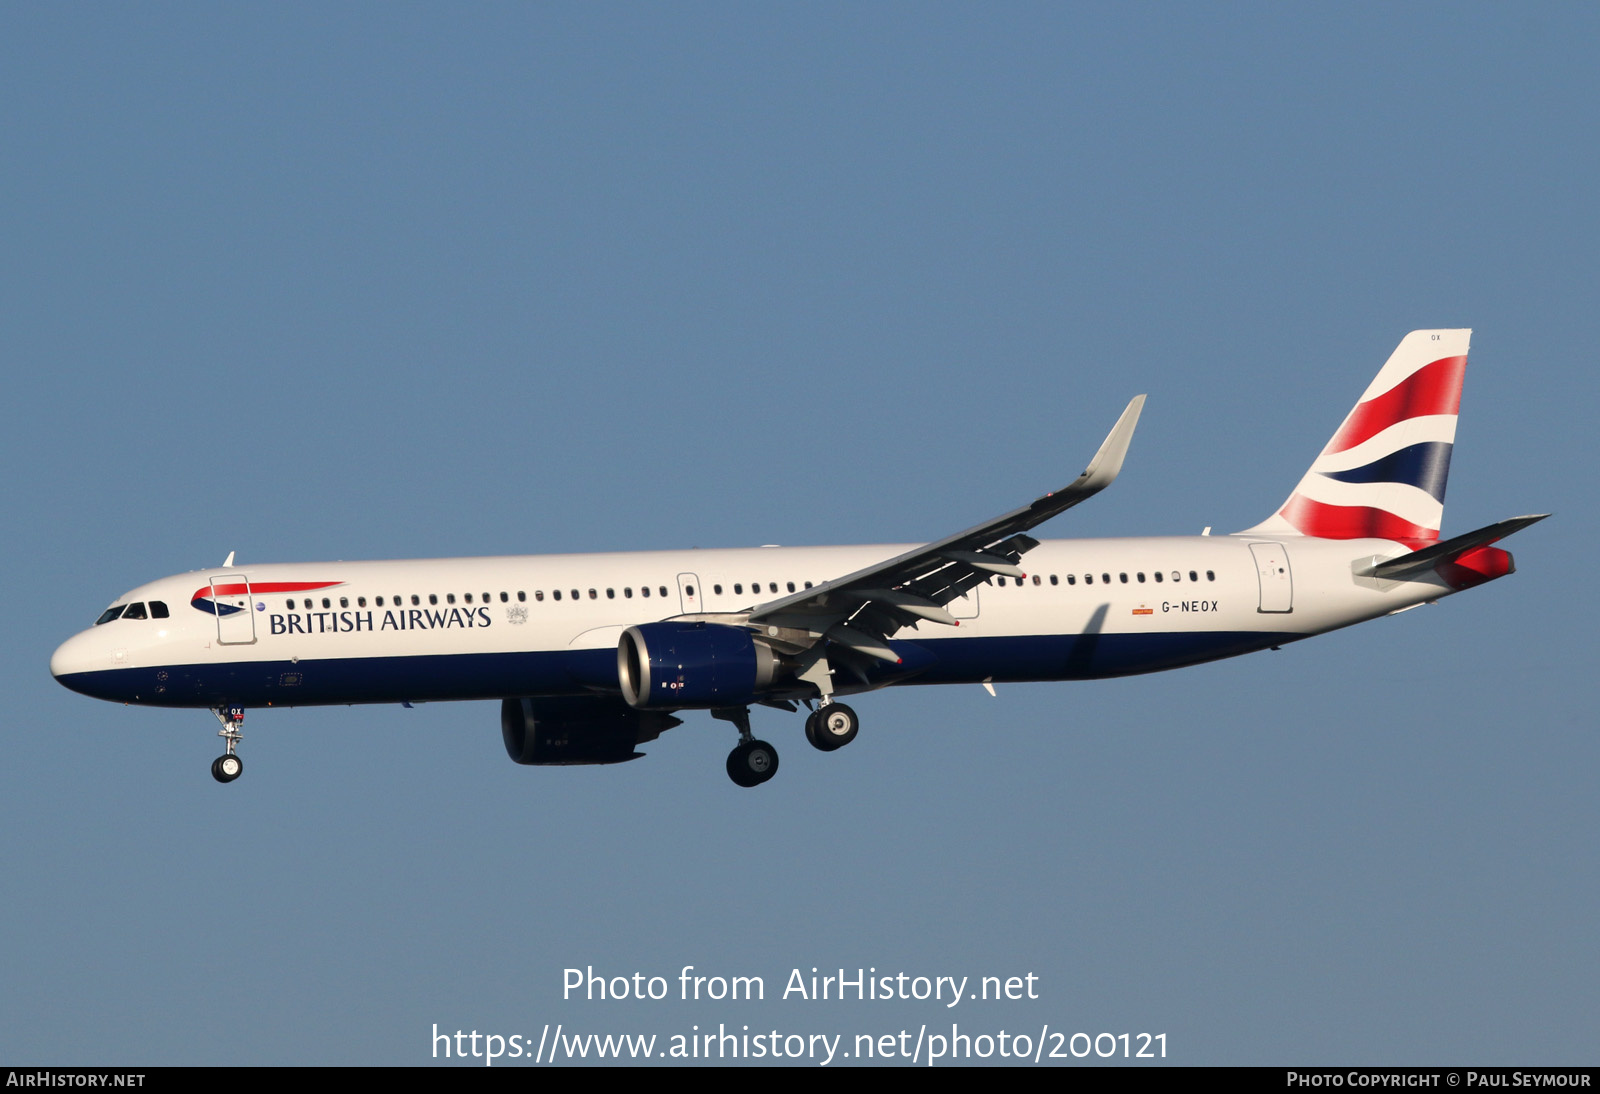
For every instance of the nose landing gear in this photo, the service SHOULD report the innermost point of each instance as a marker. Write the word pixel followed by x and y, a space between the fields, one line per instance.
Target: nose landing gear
pixel 228 766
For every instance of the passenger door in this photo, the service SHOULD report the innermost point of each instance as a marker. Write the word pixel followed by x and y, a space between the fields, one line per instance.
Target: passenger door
pixel 1277 583
pixel 236 616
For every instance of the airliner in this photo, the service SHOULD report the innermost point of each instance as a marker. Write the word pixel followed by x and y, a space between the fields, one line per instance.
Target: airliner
pixel 592 655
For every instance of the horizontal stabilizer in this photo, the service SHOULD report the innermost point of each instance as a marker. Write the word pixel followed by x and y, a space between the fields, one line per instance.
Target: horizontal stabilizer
pixel 1398 569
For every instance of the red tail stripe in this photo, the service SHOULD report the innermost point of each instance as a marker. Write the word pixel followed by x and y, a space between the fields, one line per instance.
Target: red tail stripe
pixel 1432 389
pixel 1322 521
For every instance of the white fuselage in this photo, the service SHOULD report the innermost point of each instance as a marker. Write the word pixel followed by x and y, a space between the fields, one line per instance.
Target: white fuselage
pixel 373 632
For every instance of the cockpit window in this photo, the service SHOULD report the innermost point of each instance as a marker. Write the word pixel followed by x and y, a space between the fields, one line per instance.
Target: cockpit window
pixel 135 611
pixel 158 610
pixel 110 614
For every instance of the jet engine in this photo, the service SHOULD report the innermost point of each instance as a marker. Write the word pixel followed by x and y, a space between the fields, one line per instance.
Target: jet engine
pixel 676 665
pixel 578 730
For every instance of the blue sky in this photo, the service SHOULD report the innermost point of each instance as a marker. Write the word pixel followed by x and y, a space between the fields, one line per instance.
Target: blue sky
pixel 405 280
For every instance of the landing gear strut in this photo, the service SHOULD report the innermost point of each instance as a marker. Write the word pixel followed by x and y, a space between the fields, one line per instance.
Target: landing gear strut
pixel 228 766
pixel 751 762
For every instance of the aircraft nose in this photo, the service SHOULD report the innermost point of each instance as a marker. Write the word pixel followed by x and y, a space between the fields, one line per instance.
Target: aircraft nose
pixel 77 655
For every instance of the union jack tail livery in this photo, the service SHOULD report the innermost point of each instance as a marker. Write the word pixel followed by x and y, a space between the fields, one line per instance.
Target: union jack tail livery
pixel 1382 476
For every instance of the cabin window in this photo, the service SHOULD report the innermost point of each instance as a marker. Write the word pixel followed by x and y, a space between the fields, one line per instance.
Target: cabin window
pixel 644 590
pixel 738 589
pixel 1140 576
pixel 1210 576
pixel 538 594
pixel 1072 579
pixel 808 584
pixel 1157 576
pixel 791 586
pixel 611 594
pixel 361 602
pixel 663 590
pixel 135 611
pixel 1088 579
pixel 326 603
pixel 289 604
pixel 1193 576
pixel 415 600
pixel 556 594
pixel 344 602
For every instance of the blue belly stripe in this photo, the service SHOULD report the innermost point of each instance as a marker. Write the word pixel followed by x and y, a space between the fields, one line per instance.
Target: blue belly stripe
pixel 445 677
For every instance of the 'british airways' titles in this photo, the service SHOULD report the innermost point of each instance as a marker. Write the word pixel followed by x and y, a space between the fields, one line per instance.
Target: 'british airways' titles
pixel 398 619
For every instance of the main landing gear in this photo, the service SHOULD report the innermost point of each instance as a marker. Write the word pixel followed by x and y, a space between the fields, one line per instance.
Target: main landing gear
pixel 753 762
pixel 228 766
pixel 832 726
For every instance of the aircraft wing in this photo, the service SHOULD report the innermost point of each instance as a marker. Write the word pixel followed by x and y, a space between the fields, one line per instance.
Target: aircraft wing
pixel 861 610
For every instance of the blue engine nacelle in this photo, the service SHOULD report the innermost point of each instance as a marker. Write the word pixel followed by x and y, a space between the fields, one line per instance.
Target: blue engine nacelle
pixel 670 666
pixel 577 730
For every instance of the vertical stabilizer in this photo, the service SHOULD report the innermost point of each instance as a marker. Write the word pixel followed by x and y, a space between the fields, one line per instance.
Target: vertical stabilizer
pixel 1383 473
